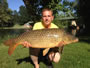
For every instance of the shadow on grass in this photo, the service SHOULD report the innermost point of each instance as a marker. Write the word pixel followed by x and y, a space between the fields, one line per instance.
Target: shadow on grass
pixel 42 59
pixel 26 59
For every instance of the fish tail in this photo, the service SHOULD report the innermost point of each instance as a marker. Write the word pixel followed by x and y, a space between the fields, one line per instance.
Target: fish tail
pixel 12 48
pixel 12 43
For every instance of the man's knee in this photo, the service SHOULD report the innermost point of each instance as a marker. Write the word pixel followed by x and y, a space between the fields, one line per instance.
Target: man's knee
pixel 34 58
pixel 57 57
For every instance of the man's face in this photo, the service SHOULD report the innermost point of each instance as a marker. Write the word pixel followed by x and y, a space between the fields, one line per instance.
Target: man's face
pixel 47 18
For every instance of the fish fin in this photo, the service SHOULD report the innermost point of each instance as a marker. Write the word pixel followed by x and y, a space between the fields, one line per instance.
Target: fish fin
pixel 12 48
pixel 45 51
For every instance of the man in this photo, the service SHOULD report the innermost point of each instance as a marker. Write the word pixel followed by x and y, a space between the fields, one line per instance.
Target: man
pixel 74 27
pixel 46 23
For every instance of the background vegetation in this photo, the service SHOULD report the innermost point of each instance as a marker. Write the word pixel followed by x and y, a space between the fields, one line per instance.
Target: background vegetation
pixel 32 11
pixel 64 11
pixel 74 55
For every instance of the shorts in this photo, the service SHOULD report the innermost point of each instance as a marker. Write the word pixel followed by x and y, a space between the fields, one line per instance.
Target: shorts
pixel 39 51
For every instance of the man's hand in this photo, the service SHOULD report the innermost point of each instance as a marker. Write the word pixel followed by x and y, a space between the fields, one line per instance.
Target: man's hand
pixel 26 44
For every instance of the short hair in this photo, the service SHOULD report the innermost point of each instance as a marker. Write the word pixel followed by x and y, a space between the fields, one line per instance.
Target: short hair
pixel 47 9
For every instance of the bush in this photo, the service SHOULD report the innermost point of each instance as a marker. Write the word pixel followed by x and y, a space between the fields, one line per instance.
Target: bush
pixel 61 24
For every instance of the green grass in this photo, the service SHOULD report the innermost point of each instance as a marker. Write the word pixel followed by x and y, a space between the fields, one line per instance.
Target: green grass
pixel 75 55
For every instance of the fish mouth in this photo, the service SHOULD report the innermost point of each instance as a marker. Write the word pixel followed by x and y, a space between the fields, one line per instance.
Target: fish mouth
pixel 74 41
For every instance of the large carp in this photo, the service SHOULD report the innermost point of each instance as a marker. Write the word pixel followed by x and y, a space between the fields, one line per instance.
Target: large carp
pixel 43 38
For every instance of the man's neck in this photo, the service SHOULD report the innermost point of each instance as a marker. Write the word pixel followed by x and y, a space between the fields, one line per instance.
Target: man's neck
pixel 47 26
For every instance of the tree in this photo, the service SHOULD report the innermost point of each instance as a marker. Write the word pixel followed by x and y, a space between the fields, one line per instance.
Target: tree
pixel 34 7
pixel 84 14
pixel 15 18
pixel 61 8
pixel 5 13
pixel 23 15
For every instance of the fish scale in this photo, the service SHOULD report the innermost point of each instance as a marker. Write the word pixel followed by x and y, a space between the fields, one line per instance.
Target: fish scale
pixel 43 38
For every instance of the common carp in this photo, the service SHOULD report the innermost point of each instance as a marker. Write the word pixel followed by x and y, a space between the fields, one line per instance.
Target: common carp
pixel 43 38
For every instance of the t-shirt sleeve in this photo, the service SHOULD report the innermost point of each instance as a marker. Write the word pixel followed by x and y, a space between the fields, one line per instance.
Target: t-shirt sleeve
pixel 35 26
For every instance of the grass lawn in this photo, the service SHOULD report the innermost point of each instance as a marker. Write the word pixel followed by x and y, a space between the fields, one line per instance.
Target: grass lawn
pixel 75 55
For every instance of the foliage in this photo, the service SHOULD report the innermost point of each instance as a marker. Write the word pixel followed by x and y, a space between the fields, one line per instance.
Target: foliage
pixel 24 17
pixel 32 11
pixel 15 19
pixel 61 23
pixel 34 7
pixel 5 13
pixel 21 17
